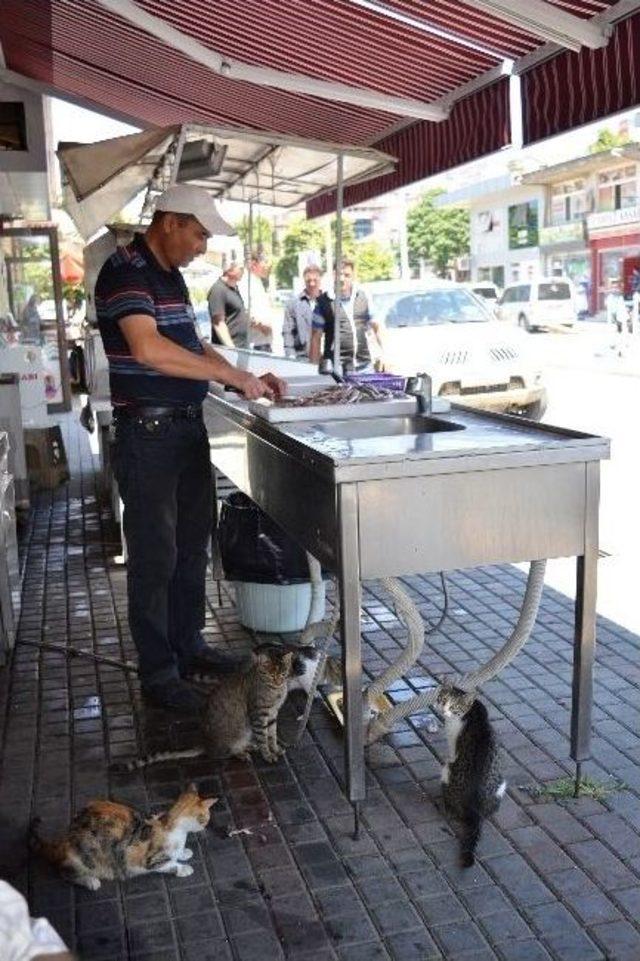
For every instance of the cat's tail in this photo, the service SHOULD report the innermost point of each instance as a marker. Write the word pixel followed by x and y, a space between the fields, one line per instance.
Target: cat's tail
pixel 471 828
pixel 53 851
pixel 137 763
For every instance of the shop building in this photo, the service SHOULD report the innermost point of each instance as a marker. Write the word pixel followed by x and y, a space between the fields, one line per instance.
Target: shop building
pixel 505 220
pixel 592 220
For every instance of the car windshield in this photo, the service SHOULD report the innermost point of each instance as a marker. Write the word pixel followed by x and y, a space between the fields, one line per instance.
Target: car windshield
pixel 554 292
pixel 428 308
pixel 487 292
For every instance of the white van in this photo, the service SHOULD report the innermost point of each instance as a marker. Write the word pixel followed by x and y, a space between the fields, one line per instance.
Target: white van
pixel 544 302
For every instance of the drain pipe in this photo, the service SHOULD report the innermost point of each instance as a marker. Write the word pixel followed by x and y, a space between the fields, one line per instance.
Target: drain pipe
pixel 383 723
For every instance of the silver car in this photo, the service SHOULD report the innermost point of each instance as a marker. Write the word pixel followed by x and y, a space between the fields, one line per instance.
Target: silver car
pixel 449 332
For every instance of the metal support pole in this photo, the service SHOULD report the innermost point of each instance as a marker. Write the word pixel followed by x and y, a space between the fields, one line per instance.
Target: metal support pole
pixel 349 582
pixel 248 269
pixel 584 643
pixel 337 362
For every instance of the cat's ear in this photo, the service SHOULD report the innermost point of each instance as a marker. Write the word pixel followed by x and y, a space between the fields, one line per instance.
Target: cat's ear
pixel 193 788
pixel 210 801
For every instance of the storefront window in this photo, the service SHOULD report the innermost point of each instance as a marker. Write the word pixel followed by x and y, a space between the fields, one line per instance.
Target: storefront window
pixel 568 202
pixel 617 189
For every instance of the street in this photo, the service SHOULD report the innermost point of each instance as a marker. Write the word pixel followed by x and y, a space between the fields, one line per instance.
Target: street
pixel 592 389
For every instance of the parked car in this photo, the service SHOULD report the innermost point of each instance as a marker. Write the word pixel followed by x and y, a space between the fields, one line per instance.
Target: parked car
pixel 548 302
pixel 487 291
pixel 450 333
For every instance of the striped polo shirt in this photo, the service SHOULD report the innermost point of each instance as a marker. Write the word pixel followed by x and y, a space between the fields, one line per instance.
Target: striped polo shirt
pixel 132 281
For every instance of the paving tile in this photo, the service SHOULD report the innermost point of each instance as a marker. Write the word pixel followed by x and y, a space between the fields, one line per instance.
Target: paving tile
pixel 458 937
pixel 620 940
pixel 566 939
pixel 395 917
pixel 249 948
pixel 506 925
pixel 413 946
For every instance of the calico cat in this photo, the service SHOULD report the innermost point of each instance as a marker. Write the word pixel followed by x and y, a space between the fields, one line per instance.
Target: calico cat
pixel 109 841
pixel 241 712
pixel 472 782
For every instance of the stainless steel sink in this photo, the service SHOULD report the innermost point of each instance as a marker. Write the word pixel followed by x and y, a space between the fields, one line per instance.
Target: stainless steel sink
pixel 387 426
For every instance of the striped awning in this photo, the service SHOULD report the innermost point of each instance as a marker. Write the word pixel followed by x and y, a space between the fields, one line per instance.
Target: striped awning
pixel 478 125
pixel 577 88
pixel 392 59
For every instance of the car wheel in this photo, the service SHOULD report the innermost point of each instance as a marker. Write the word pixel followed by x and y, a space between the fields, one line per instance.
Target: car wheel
pixel 523 321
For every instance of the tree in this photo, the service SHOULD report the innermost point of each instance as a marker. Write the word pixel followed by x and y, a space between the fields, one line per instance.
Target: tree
pixel 608 139
pixel 262 234
pixel 301 235
pixel 374 262
pixel 437 234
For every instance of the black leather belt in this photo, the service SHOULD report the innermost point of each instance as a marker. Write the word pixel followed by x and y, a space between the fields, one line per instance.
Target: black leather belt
pixel 190 412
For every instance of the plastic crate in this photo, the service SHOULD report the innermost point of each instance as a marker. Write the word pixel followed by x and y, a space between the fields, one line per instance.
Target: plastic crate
pixel 385 381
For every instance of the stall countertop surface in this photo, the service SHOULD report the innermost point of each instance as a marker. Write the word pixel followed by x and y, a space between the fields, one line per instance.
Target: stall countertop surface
pixel 460 432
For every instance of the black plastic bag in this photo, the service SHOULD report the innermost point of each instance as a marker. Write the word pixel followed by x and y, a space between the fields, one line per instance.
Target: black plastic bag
pixel 254 549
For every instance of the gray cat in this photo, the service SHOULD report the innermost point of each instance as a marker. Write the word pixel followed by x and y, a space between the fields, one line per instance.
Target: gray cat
pixel 241 713
pixel 472 782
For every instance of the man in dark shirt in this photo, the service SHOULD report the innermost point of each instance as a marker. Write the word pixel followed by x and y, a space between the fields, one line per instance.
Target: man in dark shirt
pixel 355 320
pixel 229 319
pixel 159 372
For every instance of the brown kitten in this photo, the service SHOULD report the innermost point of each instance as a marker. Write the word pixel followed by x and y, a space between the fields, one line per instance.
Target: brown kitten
pixel 109 841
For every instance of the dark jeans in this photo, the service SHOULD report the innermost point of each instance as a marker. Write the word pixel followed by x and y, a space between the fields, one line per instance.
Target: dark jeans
pixel 164 475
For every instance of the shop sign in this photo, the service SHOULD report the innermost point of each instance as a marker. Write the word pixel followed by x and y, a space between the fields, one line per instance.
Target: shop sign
pixel 562 233
pixel 523 225
pixel 613 218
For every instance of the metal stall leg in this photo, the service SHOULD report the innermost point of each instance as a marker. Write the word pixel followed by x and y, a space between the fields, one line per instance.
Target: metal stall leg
pixel 584 643
pixel 216 565
pixel 349 581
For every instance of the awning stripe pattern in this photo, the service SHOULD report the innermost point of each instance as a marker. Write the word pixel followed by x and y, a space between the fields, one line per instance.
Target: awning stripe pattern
pixel 85 50
pixel 478 125
pixel 577 88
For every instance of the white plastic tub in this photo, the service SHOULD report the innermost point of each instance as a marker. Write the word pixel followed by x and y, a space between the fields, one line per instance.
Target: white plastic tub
pixel 276 608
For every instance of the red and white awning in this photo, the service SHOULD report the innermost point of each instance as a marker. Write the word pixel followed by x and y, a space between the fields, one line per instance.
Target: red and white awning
pixel 364 72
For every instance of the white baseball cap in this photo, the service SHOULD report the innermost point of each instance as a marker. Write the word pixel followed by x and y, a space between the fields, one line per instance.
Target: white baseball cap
pixel 187 199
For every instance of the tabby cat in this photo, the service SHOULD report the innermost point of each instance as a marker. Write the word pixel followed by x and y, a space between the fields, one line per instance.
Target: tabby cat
pixel 241 712
pixel 109 841
pixel 472 782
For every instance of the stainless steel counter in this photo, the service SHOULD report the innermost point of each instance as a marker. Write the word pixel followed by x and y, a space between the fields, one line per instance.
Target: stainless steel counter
pixel 410 494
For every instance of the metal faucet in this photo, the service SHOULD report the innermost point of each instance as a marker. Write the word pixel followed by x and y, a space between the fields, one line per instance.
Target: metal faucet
pixel 421 388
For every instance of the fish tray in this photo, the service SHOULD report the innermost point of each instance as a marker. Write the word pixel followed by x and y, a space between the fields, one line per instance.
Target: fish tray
pixel 277 414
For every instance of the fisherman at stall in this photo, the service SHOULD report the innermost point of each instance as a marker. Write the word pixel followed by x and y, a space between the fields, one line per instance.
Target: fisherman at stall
pixel 159 372
pixel 357 326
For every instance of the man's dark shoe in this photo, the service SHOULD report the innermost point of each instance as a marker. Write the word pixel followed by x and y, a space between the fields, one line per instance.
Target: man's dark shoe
pixel 210 661
pixel 175 695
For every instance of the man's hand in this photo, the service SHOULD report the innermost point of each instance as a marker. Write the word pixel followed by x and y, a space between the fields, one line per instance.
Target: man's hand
pixel 275 384
pixel 253 387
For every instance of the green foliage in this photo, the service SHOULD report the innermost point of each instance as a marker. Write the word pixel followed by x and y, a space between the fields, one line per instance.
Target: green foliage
pixel 564 788
pixel 608 139
pixel 301 235
pixel 437 234
pixel 262 234
pixel 374 262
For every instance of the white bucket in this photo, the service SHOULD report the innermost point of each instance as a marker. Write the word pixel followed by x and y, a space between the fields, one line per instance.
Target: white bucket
pixel 276 608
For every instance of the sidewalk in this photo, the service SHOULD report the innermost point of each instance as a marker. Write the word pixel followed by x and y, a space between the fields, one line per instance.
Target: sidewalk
pixel 554 879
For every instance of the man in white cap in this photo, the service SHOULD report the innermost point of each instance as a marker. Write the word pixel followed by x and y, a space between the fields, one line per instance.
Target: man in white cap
pixel 159 372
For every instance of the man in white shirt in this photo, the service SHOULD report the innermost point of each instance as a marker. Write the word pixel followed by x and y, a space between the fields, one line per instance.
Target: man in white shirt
pixel 256 301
